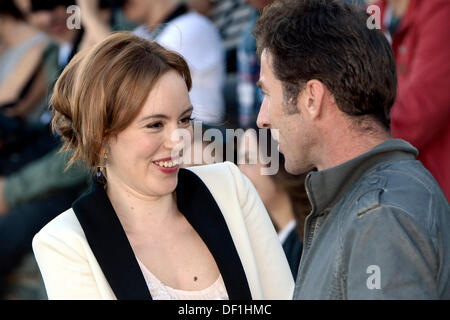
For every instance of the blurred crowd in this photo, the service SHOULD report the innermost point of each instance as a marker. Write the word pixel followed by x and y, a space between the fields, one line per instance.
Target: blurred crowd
pixel 215 37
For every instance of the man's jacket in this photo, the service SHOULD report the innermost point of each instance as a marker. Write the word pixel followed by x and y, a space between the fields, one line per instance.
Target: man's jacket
pixel 378 229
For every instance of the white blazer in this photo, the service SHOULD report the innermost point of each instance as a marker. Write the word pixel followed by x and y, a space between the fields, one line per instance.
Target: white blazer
pixel 81 256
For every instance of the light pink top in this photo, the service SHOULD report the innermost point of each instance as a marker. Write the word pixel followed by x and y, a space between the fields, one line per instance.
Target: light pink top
pixel 159 291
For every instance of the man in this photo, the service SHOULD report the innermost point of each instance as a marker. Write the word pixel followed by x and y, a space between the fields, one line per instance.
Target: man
pixel 421 113
pixel 249 96
pixel 379 223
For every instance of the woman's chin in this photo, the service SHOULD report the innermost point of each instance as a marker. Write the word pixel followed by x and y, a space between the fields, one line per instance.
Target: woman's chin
pixel 162 187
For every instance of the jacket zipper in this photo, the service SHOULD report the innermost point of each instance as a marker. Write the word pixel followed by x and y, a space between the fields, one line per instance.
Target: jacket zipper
pixel 311 223
pixel 312 227
pixel 310 230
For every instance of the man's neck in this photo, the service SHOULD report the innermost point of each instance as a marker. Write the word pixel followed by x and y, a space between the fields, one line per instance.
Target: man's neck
pixel 159 11
pixel 341 147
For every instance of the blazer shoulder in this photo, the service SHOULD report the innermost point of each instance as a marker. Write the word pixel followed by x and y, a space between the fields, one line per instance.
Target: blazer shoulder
pixel 64 229
pixel 224 178
pixel 223 168
pixel 64 222
pixel 224 172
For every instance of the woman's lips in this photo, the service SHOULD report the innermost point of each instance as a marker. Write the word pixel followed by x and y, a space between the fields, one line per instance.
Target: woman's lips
pixel 167 165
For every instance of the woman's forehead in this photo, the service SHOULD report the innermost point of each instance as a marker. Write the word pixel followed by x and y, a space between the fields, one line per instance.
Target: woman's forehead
pixel 169 96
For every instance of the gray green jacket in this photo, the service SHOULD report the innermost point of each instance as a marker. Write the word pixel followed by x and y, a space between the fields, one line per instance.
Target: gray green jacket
pixel 42 177
pixel 379 229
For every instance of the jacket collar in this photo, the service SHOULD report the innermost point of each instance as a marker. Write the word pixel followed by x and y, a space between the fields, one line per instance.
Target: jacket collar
pixel 326 187
pixel 111 247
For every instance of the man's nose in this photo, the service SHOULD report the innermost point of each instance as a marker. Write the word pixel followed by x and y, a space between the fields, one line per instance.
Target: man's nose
pixel 263 120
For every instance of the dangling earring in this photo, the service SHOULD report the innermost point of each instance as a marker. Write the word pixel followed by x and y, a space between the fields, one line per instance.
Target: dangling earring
pixel 101 170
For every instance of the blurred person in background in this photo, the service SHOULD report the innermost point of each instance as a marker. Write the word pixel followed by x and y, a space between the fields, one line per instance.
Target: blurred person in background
pixel 35 193
pixel 52 17
pixel 23 137
pixel 203 7
pixel 248 65
pixel 174 26
pixel 26 202
pixel 21 51
pixel 418 31
pixel 282 194
pixel 231 17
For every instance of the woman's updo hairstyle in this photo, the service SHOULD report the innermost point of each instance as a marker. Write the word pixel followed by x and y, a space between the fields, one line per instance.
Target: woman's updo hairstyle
pixel 103 89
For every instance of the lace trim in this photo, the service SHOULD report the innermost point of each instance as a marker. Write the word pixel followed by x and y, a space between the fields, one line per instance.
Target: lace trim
pixel 160 291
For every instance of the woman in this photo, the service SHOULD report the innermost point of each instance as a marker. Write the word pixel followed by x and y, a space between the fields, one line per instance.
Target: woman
pixel 146 228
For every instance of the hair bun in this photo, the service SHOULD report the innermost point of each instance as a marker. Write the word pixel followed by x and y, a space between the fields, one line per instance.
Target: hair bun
pixel 62 125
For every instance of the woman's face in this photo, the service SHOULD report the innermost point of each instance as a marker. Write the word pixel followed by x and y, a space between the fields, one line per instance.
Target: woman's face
pixel 140 157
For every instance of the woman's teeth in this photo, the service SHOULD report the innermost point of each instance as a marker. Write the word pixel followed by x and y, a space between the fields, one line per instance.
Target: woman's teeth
pixel 167 164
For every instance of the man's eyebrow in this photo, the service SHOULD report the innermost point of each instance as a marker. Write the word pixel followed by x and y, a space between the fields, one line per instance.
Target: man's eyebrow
pixel 163 116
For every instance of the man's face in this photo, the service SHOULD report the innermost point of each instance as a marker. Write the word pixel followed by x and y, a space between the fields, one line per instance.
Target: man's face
pixel 289 124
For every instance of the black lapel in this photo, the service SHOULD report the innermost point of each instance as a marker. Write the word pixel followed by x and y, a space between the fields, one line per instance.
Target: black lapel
pixel 110 244
pixel 116 258
pixel 201 210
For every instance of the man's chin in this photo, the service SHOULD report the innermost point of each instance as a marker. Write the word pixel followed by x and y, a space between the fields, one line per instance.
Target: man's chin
pixel 297 169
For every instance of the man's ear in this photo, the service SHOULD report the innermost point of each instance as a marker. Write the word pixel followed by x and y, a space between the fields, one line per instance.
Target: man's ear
pixel 311 97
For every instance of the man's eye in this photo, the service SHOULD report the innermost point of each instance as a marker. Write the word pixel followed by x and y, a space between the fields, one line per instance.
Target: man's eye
pixel 155 125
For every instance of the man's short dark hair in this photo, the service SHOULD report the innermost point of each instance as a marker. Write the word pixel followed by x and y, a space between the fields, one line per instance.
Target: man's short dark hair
pixel 329 40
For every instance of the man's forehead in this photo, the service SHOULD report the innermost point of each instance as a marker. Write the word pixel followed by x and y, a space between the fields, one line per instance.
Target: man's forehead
pixel 266 57
pixel 266 68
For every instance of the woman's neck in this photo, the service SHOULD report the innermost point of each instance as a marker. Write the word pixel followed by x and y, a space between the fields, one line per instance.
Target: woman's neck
pixel 138 212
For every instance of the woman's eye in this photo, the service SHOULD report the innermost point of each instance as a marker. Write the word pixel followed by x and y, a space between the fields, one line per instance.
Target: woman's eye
pixel 155 125
pixel 187 120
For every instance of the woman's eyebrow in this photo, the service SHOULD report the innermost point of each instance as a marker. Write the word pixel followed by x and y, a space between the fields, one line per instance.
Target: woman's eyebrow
pixel 191 108
pixel 163 116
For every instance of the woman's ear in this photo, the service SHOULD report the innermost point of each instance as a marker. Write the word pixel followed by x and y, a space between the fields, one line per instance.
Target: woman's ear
pixel 106 147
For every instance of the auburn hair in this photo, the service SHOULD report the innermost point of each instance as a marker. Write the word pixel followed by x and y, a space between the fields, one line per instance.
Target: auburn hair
pixel 103 89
